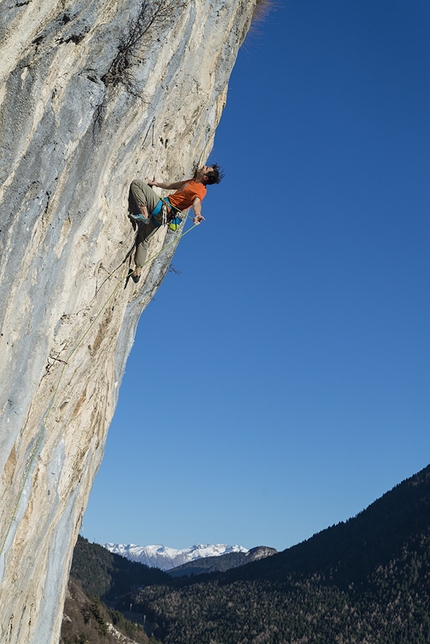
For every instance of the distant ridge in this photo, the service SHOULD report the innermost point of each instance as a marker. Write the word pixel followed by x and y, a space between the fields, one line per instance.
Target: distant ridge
pixel 165 558
pixel 222 562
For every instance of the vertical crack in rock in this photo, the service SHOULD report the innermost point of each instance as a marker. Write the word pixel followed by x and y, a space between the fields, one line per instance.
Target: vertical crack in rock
pixel 93 93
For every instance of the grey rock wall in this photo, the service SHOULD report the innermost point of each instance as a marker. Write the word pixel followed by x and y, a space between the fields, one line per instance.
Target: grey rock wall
pixel 92 94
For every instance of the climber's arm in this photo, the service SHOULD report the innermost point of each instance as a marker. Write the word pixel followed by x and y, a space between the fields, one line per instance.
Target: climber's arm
pixel 197 207
pixel 166 186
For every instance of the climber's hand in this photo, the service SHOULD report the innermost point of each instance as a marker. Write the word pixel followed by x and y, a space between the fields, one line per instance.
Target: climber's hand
pixel 198 219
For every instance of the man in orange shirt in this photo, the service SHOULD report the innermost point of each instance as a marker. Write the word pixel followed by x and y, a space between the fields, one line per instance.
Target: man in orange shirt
pixel 152 210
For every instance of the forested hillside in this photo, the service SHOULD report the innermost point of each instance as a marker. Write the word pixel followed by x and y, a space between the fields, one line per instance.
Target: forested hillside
pixel 86 620
pixel 98 575
pixel 366 580
pixel 108 575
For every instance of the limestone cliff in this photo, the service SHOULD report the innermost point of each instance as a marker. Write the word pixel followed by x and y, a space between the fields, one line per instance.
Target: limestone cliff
pixel 92 94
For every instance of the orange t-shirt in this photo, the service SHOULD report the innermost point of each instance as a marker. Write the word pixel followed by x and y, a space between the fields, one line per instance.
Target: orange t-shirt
pixel 184 197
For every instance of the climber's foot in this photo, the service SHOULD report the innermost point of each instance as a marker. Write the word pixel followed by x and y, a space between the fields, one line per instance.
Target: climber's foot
pixel 135 276
pixel 139 218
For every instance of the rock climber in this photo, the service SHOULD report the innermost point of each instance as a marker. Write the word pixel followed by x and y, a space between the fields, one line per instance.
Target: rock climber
pixel 150 212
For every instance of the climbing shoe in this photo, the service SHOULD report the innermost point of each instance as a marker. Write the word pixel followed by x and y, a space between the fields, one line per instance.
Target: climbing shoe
pixel 139 218
pixel 133 276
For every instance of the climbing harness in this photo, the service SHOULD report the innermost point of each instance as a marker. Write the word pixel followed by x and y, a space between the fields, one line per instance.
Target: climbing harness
pixel 167 214
pixel 65 364
pixel 175 215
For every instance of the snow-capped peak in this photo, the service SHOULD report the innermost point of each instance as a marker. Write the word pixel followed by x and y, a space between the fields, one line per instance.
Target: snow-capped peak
pixel 158 556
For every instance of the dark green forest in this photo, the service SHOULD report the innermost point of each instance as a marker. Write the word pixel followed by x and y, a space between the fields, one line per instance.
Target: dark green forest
pixel 366 580
pixel 86 620
pixel 98 579
pixel 108 575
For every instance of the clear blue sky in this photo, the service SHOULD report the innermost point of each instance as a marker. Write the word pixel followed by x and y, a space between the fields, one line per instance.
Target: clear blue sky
pixel 300 391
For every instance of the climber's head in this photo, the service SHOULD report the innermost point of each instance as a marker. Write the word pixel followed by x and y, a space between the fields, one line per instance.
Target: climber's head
pixel 209 174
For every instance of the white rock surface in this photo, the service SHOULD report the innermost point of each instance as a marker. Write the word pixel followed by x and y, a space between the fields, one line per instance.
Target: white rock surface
pixel 165 558
pixel 92 94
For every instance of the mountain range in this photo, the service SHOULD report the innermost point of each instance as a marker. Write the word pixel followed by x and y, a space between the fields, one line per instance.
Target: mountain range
pixel 165 558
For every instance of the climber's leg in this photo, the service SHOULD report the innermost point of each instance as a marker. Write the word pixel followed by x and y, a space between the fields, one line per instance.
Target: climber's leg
pixel 142 243
pixel 145 198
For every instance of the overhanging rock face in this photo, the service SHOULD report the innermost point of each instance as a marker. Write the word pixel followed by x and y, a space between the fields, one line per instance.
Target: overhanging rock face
pixel 93 93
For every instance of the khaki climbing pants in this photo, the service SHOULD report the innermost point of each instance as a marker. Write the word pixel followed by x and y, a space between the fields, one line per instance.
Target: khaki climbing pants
pixel 144 195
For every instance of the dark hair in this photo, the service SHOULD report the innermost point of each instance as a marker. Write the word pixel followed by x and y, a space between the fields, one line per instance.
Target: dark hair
pixel 215 175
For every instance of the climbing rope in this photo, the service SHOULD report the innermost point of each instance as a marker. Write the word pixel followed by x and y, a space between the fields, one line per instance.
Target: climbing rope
pixel 151 126
pixel 66 364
